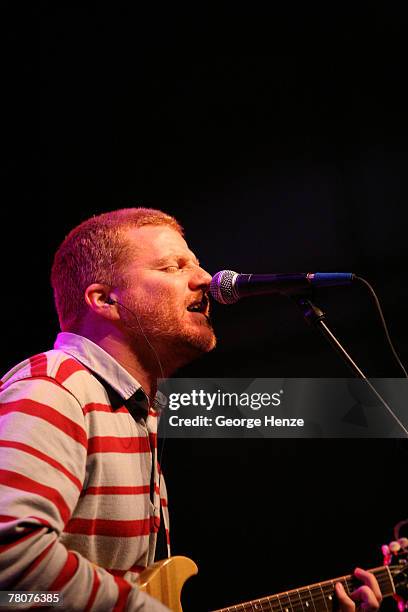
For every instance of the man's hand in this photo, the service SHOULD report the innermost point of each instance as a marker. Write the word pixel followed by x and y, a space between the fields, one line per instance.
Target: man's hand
pixel 367 597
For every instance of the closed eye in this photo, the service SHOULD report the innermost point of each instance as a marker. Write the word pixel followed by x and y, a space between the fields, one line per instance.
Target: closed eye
pixel 180 267
pixel 171 268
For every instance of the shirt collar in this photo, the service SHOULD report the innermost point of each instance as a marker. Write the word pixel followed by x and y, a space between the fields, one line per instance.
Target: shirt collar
pixel 104 365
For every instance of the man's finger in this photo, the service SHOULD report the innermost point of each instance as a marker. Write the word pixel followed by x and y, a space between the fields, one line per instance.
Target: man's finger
pixel 345 603
pixel 370 580
pixel 365 598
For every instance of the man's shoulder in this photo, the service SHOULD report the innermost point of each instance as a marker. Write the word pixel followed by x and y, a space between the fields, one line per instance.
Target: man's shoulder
pixel 54 366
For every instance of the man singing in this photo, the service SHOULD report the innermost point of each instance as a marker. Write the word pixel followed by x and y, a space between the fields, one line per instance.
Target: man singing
pixel 82 499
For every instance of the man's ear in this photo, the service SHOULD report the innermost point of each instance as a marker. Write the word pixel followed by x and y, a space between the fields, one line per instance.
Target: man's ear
pixel 101 301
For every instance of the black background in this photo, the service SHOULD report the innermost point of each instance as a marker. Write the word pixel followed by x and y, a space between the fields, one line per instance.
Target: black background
pixel 277 136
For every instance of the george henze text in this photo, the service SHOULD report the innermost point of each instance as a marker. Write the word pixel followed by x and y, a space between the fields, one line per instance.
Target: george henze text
pixel 222 421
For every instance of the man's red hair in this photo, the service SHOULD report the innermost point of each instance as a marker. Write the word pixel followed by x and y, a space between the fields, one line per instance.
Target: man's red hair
pixel 96 252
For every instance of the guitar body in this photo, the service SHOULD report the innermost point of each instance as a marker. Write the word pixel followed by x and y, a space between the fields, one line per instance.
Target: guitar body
pixel 165 579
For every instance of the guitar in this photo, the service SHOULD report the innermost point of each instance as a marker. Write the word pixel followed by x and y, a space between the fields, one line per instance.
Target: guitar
pixel 165 579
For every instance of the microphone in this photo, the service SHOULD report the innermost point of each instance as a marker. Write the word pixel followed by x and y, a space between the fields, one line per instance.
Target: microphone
pixel 227 287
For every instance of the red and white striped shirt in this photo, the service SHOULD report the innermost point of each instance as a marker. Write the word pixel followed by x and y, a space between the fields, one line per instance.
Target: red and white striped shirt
pixel 76 487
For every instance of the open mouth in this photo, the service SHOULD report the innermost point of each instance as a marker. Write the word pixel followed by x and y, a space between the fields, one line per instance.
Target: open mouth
pixel 200 306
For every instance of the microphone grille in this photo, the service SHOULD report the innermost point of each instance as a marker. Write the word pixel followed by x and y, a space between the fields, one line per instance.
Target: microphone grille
pixel 222 287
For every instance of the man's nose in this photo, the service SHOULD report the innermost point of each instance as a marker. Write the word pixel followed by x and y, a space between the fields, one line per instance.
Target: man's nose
pixel 200 279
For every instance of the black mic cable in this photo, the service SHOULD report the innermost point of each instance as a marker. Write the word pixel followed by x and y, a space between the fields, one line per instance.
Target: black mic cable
pixel 383 322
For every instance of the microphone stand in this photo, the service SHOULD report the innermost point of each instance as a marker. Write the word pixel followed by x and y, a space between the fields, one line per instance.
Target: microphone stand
pixel 315 316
